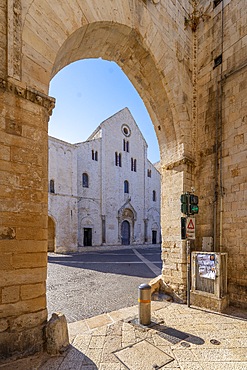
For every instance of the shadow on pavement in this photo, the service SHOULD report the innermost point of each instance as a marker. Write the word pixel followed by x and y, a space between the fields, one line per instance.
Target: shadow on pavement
pixel 123 262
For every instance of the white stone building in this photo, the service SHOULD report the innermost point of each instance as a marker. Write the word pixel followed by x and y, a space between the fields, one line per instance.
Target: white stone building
pixel 103 191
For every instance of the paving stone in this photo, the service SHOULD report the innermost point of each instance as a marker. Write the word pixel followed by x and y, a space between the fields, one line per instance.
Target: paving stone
pixel 220 354
pixel 143 356
pixel 110 366
pixel 93 355
pixel 97 342
pixel 184 355
pixel 191 366
pixel 81 342
pixel 115 329
pixel 78 327
pixel 97 348
pixel 225 365
pixel 98 321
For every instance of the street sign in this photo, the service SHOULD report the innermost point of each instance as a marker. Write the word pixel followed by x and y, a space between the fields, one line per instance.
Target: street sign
pixel 190 228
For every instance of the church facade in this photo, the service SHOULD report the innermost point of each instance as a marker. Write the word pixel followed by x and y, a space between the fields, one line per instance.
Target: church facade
pixel 103 191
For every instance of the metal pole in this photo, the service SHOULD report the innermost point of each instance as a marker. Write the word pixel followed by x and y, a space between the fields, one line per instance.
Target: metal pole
pixel 144 301
pixel 188 272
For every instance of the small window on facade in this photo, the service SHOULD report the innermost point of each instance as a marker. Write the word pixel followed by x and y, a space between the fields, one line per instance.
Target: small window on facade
pixel 154 195
pixel 218 61
pixel 118 159
pixel 217 2
pixel 149 173
pixel 133 164
pixel 94 155
pixel 52 186
pixel 125 146
pixel 126 187
pixel 85 180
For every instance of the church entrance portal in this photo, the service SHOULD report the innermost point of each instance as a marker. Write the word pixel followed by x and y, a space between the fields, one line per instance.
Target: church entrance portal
pixel 87 239
pixel 125 233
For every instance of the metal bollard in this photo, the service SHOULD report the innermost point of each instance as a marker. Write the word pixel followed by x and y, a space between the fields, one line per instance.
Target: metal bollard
pixel 144 301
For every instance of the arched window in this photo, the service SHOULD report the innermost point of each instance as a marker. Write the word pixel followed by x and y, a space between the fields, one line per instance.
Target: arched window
pixel 126 187
pixel 133 164
pixel 85 180
pixel 154 195
pixel 94 155
pixel 52 186
pixel 125 145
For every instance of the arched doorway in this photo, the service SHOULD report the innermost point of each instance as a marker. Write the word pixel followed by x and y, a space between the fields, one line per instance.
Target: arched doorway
pixel 125 232
pixel 87 236
pixel 154 236
pixel 126 223
pixel 51 235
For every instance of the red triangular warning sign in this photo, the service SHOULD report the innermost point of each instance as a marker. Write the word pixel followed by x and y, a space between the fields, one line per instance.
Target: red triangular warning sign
pixel 191 225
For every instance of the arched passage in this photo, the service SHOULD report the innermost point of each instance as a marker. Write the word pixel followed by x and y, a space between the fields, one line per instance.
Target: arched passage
pixel 42 37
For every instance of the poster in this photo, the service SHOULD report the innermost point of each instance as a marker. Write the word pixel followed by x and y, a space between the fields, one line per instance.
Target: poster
pixel 207 266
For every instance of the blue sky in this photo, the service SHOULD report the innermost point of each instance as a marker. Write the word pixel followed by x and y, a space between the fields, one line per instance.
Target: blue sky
pixel 89 91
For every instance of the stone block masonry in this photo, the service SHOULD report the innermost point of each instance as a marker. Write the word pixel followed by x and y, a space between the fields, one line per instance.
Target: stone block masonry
pixel 197 106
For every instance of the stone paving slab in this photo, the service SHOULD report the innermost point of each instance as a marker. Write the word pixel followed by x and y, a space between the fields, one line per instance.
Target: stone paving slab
pixel 194 339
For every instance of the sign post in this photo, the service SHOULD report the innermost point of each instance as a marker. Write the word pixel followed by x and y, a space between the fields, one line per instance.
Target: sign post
pixel 189 206
pixel 190 228
pixel 190 235
pixel 188 272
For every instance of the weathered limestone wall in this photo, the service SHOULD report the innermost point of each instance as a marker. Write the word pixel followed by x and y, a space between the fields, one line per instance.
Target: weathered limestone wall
pixel 198 111
pixel 23 230
pixel 221 172
pixel 3 38
pixel 38 38
pixel 63 171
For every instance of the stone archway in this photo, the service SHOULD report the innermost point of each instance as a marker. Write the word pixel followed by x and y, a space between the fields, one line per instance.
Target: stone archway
pixel 42 37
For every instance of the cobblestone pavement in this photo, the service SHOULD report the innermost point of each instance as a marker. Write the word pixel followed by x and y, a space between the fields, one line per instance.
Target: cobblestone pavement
pixel 180 338
pixel 100 279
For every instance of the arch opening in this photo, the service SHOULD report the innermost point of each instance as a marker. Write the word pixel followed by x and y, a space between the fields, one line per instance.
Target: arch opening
pixel 124 46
